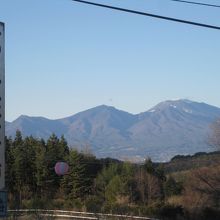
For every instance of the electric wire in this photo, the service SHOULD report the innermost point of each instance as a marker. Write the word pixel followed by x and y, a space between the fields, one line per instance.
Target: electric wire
pixel 197 3
pixel 150 15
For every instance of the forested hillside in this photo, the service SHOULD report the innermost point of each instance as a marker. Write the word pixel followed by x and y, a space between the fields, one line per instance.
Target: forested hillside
pixel 188 162
pixel 107 185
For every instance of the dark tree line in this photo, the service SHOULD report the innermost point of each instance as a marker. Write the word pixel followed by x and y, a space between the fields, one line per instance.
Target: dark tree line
pixel 100 185
pixel 30 170
pixel 30 174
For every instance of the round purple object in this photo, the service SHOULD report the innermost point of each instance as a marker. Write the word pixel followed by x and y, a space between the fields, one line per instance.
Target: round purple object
pixel 61 168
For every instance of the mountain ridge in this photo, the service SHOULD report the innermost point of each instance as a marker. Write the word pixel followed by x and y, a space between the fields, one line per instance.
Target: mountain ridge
pixel 169 128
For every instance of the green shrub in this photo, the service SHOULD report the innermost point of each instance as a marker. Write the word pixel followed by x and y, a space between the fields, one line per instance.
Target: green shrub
pixel 93 204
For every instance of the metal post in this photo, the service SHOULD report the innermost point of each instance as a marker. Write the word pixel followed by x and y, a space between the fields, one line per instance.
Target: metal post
pixel 2 108
pixel 3 194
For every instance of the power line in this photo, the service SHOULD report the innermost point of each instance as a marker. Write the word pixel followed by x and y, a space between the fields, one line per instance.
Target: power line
pixel 150 15
pixel 197 3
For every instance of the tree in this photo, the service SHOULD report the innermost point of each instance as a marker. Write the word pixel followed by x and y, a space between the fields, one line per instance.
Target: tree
pixel 202 188
pixel 29 156
pixel 63 148
pixel 75 183
pixel 149 166
pixel 24 166
pixel 10 172
pixel 18 167
pixel 41 169
pixel 115 190
pixel 47 155
pixel 171 187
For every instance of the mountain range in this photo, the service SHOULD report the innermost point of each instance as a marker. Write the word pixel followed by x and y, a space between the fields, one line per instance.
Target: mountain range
pixel 167 129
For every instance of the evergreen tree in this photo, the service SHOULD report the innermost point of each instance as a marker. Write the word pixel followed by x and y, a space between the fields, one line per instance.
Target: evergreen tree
pixel 75 184
pixel 50 158
pixel 9 161
pixel 115 189
pixel 29 173
pixel 18 167
pixel 171 187
pixel 149 166
pixel 63 148
pixel 41 169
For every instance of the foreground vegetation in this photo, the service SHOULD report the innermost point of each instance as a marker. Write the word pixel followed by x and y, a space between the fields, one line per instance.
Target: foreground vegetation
pixel 167 191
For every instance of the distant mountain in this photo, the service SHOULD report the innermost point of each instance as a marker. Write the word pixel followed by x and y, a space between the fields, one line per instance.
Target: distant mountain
pixel 168 129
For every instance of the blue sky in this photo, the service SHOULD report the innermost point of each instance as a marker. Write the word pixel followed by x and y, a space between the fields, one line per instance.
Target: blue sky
pixel 64 57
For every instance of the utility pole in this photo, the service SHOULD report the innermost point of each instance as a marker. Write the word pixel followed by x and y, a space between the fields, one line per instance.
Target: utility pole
pixel 3 194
